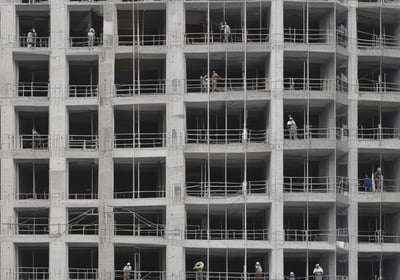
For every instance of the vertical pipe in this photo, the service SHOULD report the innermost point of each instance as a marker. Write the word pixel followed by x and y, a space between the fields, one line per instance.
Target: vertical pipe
pixel 208 141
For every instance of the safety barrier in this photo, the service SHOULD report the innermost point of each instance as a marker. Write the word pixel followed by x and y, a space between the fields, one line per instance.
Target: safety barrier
pixel 83 229
pixel 75 42
pixel 378 133
pixel 34 273
pixel 34 42
pixel 158 191
pixel 225 189
pixel 157 230
pixel 139 140
pixel 225 136
pixel 83 273
pixel 205 85
pixel 303 235
pixel 32 89
pixel 29 141
pixel 311 84
pixel 312 133
pixel 141 87
pixel 197 233
pixel 378 236
pixel 315 184
pixel 85 142
pixel 141 40
pixel 237 35
pixel 33 195
pixel 83 91
pixel 310 36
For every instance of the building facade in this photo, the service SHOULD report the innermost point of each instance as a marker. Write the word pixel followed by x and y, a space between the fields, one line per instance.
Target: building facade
pixel 160 133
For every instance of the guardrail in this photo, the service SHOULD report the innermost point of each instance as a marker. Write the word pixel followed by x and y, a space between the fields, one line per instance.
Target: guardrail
pixel 225 189
pixel 141 274
pixel 83 229
pixel 158 192
pixel 378 133
pixel 35 142
pixel 311 84
pixel 80 91
pixel 303 235
pixel 142 40
pixel 378 236
pixel 371 40
pixel 84 142
pixel 35 195
pixel 213 275
pixel 34 42
pixel 32 225
pixel 76 42
pixel 33 89
pixel 139 140
pixel 308 36
pixel 157 230
pixel 312 133
pixel 34 273
pixel 83 196
pixel 237 35
pixel 225 136
pixel 197 233
pixel 315 184
pixel 141 87
pixel 205 85
pixel 365 85
pixel 388 185
pixel 83 273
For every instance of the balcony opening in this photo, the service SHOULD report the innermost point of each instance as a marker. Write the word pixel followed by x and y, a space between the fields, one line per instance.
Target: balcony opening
pixel 311 24
pixel 232 13
pixel 378 223
pixel 83 78
pixel 342 265
pixel 141 26
pixel 302 263
pixel 83 130
pixel 368 164
pixel 342 131
pixel 308 176
pixel 308 74
pixel 139 76
pixel 314 119
pixel 341 26
pixel 139 178
pixel 33 262
pixel 33 179
pixel 378 79
pixel 309 223
pixel 228 76
pixel 32 221
pixel 378 266
pixel 82 262
pixel 342 82
pixel 34 28
pixel 377 29
pixel 226 175
pixel 227 223
pixel 342 228
pixel 84 221
pixel 147 262
pixel 139 126
pixel 33 78
pixel 80 25
pixel 143 222
pixel 226 263
pixel 33 129
pixel 83 179
pixel 226 121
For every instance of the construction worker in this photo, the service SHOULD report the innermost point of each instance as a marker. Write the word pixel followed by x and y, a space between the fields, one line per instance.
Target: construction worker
pixel 318 272
pixel 127 271
pixel 378 179
pixel 292 127
pixel 204 83
pixel 214 80
pixel 227 32
pixel 258 271
pixel 36 139
pixel 198 267
pixel 91 35
pixel 29 39
pixel 291 276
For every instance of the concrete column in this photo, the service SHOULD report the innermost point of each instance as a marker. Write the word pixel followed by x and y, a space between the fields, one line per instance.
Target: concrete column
pixel 175 124
pixel 276 125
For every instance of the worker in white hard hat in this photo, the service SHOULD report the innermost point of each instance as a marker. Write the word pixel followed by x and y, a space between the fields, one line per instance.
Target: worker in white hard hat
pixel 198 267
pixel 127 271
pixel 378 179
pixel 291 276
pixel 258 271
pixel 318 272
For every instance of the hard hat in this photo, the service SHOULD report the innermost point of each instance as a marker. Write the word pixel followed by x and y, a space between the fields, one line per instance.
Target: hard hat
pixel 291 274
pixel 379 169
pixel 128 263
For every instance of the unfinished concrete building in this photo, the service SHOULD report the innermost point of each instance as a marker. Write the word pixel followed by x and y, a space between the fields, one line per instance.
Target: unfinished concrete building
pixel 119 142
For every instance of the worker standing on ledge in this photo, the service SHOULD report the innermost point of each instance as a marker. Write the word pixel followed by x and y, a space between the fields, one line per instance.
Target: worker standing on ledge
pixel 318 271
pixel 127 271
pixel 198 267
pixel 91 34
pixel 292 127
pixel 258 271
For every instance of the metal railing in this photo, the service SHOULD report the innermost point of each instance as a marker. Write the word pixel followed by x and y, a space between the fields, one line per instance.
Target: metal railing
pixel 35 42
pixel 83 273
pixel 142 40
pixel 83 229
pixel 32 225
pixel 196 232
pixel 311 84
pixel 366 85
pixel 312 133
pixel 139 140
pixel 34 1
pixel 83 90
pixel 225 136
pixel 29 141
pixel 32 195
pixel 156 230
pixel 225 275
pixel 379 133
pixel 158 191
pixel 252 35
pixel 226 84
pixel 308 235
pixel 85 142
pixel 310 36
pixel 83 196
pixel 33 89
pixel 141 87
pixel 141 274
pixel 75 42
pixel 388 185
pixel 225 189
pixel 315 184
pixel 378 236
pixel 371 40
pixel 34 273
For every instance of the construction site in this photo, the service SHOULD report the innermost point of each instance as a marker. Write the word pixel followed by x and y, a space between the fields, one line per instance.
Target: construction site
pixel 200 139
